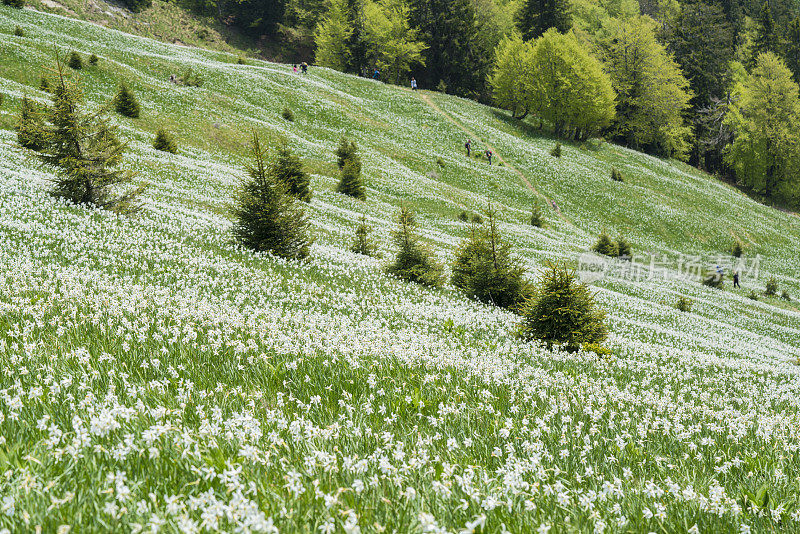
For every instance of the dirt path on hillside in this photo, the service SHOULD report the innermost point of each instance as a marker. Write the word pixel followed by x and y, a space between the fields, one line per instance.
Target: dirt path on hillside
pixel 452 120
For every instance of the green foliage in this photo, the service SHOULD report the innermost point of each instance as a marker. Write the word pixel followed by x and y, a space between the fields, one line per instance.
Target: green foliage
pixel 288 114
pixel 765 119
pixel 616 175
pixel 14 3
pixel 440 162
pixel 562 311
pixel 93 60
pixel 392 45
pixel 190 78
pixel 556 151
pixel 126 103
pixel 772 287
pixel 623 248
pixel 652 93
pixel 30 126
pixel 44 84
pixel 712 278
pixel 137 5
pixel 331 36
pixel 766 38
pixel 511 79
pixel 737 249
pixel 597 348
pixel 793 48
pixel 75 62
pixel 2 99
pixel 84 149
pixel 18 31
pixel 266 217
pixel 414 261
pixel 785 295
pixel 538 16
pixel 241 60
pixel 605 246
pixel 537 219
pixel 463 216
pixel 362 241
pixel 441 87
pixel 486 270
pixel 476 218
pixel 287 169
pixel 165 142
pixel 346 150
pixel 684 304
pixel 753 295
pixel 350 182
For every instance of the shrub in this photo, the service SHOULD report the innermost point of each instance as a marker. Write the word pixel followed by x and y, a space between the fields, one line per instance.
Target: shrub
pixel 93 60
pixel 347 150
pixel 362 242
pixel 597 348
pixel 463 216
pixel 556 152
pixel 714 279
pixel 684 304
pixel 85 149
pixel 477 219
pixel 737 249
pixel 605 246
pixel 785 295
pixel 623 248
pixel 441 86
pixel 753 295
pixel 486 270
pixel 562 311
pixel 137 5
pixel 165 142
pixel 288 170
pixel 126 102
pixel 14 3
pixel 75 62
pixel 19 32
pixel 267 217
pixel 30 126
pixel 2 98
pixel 287 114
pixel 537 219
pixel 772 287
pixel 440 162
pixel 414 261
pixel 241 61
pixel 616 175
pixel 350 182
pixel 190 78
pixel 44 84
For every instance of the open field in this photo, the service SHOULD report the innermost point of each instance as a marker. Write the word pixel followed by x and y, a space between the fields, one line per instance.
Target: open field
pixel 157 377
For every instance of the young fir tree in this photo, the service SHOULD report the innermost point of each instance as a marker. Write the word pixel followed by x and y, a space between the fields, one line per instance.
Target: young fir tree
pixel 93 60
pixel 537 16
pixel 556 152
pixel 19 32
pixel 605 245
pixel 537 219
pixel 793 48
pixel 563 311
pixel 75 62
pixel 126 102
pixel 350 182
pixel 346 150
pixel 267 217
pixel 288 169
pixel 85 150
pixel 414 261
pixel 165 142
pixel 30 126
pixel 766 38
pixel 362 241
pixel 624 250
pixel 737 249
pixel 486 270
pixel 616 175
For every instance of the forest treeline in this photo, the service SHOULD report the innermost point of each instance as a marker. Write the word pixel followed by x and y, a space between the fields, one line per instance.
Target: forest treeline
pixel 713 82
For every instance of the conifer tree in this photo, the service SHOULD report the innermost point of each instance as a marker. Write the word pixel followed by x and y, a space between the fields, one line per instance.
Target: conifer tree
pixel 266 217
pixel 350 183
pixel 288 169
pixel 537 16
pixel 362 242
pixel 414 261
pixel 766 39
pixel 346 150
pixel 793 48
pixel 563 311
pixel 93 60
pixel 19 32
pixel 30 126
pixel 75 62
pixel 85 150
pixel 605 245
pixel 15 3
pixel 486 270
pixel 624 250
pixel 44 84
pixel 537 219
pixel 126 102
pixel 165 142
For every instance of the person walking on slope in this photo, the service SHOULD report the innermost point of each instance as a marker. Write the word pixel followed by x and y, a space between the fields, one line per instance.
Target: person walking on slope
pixel 736 279
pixel 304 67
pixel 413 84
pixel 468 146
pixel 489 156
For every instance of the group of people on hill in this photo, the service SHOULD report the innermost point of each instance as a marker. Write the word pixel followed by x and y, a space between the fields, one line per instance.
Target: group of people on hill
pixel 302 68
pixel 488 153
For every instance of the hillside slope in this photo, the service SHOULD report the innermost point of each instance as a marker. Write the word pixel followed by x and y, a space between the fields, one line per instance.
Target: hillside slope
pixel 155 375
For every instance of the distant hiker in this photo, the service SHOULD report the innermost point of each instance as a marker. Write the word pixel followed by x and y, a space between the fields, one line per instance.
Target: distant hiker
pixel 376 75
pixel 468 146
pixel 304 67
pixel 720 273
pixel 489 156
pixel 413 84
pixel 736 279
pixel 294 68
pixel 173 78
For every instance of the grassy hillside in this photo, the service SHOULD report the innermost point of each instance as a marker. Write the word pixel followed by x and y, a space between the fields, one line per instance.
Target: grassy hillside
pixel 156 376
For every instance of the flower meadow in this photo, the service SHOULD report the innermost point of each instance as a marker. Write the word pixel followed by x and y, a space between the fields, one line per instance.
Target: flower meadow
pixel 154 377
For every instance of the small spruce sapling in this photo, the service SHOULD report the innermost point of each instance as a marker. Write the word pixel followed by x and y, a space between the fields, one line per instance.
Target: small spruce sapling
pixel 126 102
pixel 537 219
pixel 288 169
pixel 556 152
pixel 772 287
pixel 93 60
pixel 75 62
pixel 605 246
pixel 30 126
pixel 165 142
pixel 414 261
pixel 362 241
pixel 737 249
pixel 19 32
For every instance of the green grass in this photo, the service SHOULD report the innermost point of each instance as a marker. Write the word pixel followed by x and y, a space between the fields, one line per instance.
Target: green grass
pixel 155 375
